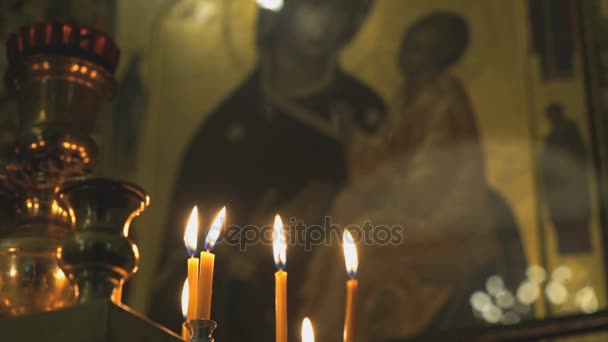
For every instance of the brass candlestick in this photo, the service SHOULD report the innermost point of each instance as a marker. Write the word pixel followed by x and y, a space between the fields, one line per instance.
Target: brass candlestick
pixel 60 74
pixel 98 255
pixel 201 330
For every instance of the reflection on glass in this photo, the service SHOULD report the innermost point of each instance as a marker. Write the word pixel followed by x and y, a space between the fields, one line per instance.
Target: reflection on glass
pixel 505 299
pixel 479 300
pixel 59 274
pixel 536 274
pixel 12 272
pixel 556 292
pixel 587 300
pixel 272 5
pixel 528 292
pixel 510 318
pixel 499 305
pixel 562 274
pixel 492 313
pixel 494 285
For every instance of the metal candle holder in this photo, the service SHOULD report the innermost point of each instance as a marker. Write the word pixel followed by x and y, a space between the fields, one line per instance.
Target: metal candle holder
pixel 60 75
pixel 68 239
pixel 98 255
pixel 201 330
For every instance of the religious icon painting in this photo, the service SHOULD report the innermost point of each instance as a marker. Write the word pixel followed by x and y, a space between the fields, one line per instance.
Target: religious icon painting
pixel 456 138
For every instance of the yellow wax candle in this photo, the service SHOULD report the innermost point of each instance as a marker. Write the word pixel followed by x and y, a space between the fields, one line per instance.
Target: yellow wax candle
pixel 192 287
pixel 349 319
pixel 185 333
pixel 205 285
pixel 185 307
pixel 279 249
pixel 191 241
pixel 352 263
pixel 280 278
pixel 207 261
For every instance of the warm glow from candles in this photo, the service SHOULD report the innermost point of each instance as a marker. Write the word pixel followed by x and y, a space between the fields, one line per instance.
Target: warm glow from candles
pixel 279 246
pixel 59 274
pixel 185 291
pixel 215 229
pixel 308 334
pixel 191 233
pixel 350 254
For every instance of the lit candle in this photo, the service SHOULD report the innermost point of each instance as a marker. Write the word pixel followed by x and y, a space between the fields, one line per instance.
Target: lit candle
pixel 185 307
pixel 352 262
pixel 207 260
pixel 280 277
pixel 308 334
pixel 191 241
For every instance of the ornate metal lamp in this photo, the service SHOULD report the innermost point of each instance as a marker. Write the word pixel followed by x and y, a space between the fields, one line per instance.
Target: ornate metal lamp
pixel 67 250
pixel 60 75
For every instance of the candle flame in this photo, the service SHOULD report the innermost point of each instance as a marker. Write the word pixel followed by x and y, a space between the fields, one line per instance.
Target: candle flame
pixel 214 231
pixel 185 295
pixel 350 254
pixel 191 233
pixel 59 274
pixel 308 334
pixel 279 246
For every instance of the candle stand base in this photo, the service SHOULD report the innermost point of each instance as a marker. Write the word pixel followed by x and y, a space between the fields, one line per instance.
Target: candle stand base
pixel 201 330
pixel 92 322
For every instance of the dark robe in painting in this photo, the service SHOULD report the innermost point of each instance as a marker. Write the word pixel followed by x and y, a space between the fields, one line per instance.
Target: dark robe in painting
pixel 565 186
pixel 260 153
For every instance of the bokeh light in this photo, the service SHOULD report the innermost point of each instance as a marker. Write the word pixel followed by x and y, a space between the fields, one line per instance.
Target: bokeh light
pixel 587 300
pixel 536 274
pixel 562 274
pixel 479 300
pixel 510 318
pixel 527 292
pixel 492 313
pixel 556 292
pixel 505 299
pixel 494 285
